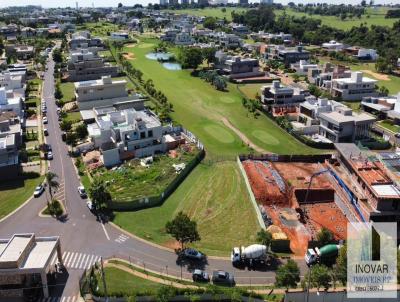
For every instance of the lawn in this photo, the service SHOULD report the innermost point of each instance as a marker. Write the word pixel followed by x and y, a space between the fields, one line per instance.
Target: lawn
pixel 68 91
pixel 15 192
pixel 201 108
pixel 251 90
pixel 74 117
pixel 132 180
pixel 119 281
pixel 210 12
pixel 100 29
pixel 216 197
pixel 376 17
pixel 388 124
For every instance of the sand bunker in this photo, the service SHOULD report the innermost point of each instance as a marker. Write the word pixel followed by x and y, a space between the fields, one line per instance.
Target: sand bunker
pixel 128 55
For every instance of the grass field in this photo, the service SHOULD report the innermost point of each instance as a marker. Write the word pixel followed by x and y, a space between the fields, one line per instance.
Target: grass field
pixel 100 29
pixel 210 12
pixel 133 181
pixel 376 16
pixel 74 117
pixel 388 124
pixel 119 281
pixel 216 197
pixel 251 90
pixel 16 192
pixel 201 108
pixel 68 91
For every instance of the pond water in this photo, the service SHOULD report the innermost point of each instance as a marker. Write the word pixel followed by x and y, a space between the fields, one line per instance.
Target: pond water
pixel 172 66
pixel 159 55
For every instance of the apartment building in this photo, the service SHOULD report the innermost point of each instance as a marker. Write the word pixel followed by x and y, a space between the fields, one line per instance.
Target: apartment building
pixel 84 65
pixel 354 88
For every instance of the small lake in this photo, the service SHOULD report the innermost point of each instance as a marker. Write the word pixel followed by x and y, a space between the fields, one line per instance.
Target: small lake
pixel 172 66
pixel 159 55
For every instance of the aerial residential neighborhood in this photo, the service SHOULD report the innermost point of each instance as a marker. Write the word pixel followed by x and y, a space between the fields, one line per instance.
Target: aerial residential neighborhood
pixel 199 151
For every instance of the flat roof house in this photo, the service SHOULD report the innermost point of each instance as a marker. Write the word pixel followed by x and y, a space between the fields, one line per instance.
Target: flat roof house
pixel 354 88
pixel 288 55
pixel 127 133
pixel 25 261
pixel 281 100
pixel 237 67
pixel 343 125
pixel 102 92
pixel 83 39
pixel 84 65
pixel 24 52
pixel 9 102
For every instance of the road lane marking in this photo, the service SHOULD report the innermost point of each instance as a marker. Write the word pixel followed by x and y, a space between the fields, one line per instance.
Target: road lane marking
pixel 77 261
pixel 105 231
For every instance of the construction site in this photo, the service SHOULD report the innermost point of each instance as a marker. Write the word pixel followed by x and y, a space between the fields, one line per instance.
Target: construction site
pixel 301 194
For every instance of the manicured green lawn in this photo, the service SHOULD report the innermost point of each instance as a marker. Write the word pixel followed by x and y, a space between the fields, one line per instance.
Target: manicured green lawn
pixel 210 12
pixel 201 108
pixel 100 29
pixel 119 281
pixel 216 197
pixel 251 90
pixel 68 91
pixel 16 192
pixel 74 117
pixel 376 17
pixel 389 125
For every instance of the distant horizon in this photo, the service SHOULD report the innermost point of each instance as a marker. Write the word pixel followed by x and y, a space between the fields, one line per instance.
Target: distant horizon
pixel 114 3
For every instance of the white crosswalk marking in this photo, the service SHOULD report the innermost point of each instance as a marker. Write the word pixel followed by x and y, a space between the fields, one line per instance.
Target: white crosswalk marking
pixel 74 260
pixel 121 238
pixel 61 299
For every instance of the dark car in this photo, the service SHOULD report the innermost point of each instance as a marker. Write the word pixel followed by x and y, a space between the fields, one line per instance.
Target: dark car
pixel 192 254
pixel 200 276
pixel 222 277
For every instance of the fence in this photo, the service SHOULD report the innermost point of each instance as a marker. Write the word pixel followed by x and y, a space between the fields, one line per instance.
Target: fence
pixel 152 201
pixel 287 158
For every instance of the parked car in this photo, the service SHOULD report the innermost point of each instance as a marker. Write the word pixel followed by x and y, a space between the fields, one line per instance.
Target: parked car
pixel 44 110
pixel 38 191
pixel 222 277
pixel 46 132
pixel 90 205
pixel 397 135
pixel 49 155
pixel 200 276
pixel 192 254
pixel 64 136
pixel 48 147
pixel 45 121
pixel 82 192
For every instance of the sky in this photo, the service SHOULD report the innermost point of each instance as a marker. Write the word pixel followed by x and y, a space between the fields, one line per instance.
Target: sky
pixel 100 3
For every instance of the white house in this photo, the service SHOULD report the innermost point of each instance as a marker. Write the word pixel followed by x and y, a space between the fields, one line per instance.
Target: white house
pixel 354 88
pixel 303 66
pixel 333 45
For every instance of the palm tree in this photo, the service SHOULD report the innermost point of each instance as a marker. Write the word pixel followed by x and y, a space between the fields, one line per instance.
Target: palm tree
pixel 52 183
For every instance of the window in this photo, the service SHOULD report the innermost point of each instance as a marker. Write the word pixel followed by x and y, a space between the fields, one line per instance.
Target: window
pixel 150 133
pixel 142 134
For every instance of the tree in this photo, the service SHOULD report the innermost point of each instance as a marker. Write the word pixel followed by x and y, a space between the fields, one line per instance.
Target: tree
pixel 81 131
pixel 183 229
pixel 341 265
pixel 324 237
pixel 210 23
pixel 71 138
pixel 383 90
pixel 287 275
pixel 120 5
pixel 264 237
pixel 66 125
pixel 209 54
pixel 99 194
pixel 57 55
pixel 52 183
pixel 320 276
pixel 219 83
pixel 190 57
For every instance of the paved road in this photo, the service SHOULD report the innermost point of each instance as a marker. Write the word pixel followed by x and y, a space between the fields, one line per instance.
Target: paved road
pixel 83 238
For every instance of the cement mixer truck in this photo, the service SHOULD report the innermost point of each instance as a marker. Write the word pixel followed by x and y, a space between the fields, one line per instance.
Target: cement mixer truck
pixel 325 255
pixel 250 255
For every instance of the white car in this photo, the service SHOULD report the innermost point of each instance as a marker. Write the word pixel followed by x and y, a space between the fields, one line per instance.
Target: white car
pixel 49 155
pixel 89 205
pixel 38 191
pixel 82 192
pixel 45 121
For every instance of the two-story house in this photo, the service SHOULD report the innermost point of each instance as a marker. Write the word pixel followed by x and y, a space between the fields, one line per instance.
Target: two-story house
pixel 354 88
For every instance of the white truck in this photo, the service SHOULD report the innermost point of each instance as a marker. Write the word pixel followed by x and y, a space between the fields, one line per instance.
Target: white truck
pixel 252 254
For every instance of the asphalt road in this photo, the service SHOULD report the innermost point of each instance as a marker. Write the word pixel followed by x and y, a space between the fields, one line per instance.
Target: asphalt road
pixel 83 238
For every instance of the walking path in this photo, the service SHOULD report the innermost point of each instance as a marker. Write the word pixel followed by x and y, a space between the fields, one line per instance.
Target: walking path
pixel 243 137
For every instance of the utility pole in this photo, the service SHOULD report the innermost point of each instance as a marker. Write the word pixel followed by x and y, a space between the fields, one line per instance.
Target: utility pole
pixel 104 279
pixel 308 285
